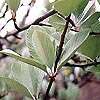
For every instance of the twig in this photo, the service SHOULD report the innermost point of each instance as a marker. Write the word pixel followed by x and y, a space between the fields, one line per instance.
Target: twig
pixel 5 24
pixel 61 15
pixel 2 56
pixel 94 33
pixel 4 12
pixel 83 66
pixel 52 78
pixel 61 42
pixel 48 14
pixel 48 89
pixel 36 22
pixel 41 24
pixel 91 33
pixel 2 95
pixel 14 20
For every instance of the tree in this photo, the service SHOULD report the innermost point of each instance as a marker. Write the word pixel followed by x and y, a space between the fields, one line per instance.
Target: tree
pixel 68 40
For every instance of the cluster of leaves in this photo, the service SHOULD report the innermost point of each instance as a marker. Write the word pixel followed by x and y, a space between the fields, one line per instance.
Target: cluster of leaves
pixel 43 42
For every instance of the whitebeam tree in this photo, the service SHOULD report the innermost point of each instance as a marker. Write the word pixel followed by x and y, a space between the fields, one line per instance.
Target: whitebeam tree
pixel 69 39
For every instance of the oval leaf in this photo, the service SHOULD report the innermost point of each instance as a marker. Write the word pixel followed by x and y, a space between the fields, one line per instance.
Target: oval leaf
pixel 40 46
pixel 32 80
pixel 72 45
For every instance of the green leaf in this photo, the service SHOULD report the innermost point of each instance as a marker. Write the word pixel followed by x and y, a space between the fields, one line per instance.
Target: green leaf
pixel 57 22
pixel 91 20
pixel 26 60
pixel 49 30
pixel 66 6
pixel 13 4
pixel 81 7
pixel 16 86
pixel 57 37
pixel 32 80
pixel 72 45
pixel 95 27
pixel 30 45
pixel 91 47
pixel 40 46
pixel 50 5
pixel 82 16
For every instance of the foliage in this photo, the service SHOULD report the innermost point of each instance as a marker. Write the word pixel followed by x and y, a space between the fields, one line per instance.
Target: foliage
pixel 73 29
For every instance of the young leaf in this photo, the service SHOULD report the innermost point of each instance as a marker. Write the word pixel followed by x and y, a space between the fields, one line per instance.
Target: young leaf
pixel 13 4
pixel 32 80
pixel 17 86
pixel 91 47
pixel 66 6
pixel 40 46
pixel 32 50
pixel 72 45
pixel 26 60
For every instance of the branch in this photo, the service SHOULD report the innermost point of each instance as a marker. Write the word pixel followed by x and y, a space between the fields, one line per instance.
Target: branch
pixel 94 33
pixel 14 20
pixel 61 42
pixel 2 95
pixel 52 78
pixel 91 33
pixel 49 87
pixel 2 56
pixel 83 66
pixel 36 22
pixel 4 12
pixel 5 24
